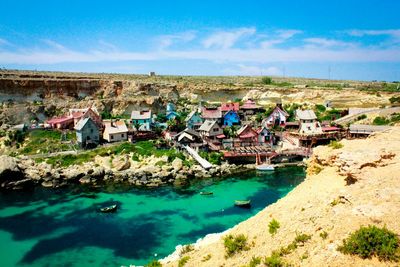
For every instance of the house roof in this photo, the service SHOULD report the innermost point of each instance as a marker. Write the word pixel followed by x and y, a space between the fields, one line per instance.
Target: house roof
pixel 305 114
pixel 242 131
pixel 249 104
pixel 60 120
pixel 141 115
pixel 113 127
pixel 261 129
pixel 230 106
pixel 230 111
pixel 79 126
pixel 207 125
pixel 191 114
pixel 79 112
pixel 279 109
pixel 189 133
pixel 330 129
pixel 211 113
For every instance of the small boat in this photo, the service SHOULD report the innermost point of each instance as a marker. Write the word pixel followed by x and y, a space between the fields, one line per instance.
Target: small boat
pixel 206 193
pixel 243 203
pixel 109 209
pixel 265 167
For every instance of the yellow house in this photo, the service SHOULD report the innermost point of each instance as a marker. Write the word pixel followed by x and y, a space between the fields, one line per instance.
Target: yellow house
pixel 115 131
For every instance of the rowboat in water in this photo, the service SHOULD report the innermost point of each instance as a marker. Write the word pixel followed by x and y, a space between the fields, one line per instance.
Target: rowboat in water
pixel 109 209
pixel 265 167
pixel 243 203
pixel 206 193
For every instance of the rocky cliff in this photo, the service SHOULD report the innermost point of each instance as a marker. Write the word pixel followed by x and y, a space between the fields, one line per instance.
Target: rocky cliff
pixel 344 189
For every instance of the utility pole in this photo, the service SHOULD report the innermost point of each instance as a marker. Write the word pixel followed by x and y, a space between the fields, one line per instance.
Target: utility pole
pixel 329 72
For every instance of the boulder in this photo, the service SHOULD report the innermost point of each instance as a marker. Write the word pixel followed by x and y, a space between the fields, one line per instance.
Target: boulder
pixel 122 164
pixel 177 164
pixel 9 170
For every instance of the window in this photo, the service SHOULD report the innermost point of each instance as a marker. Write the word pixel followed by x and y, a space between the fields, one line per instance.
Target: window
pixel 112 137
pixel 122 135
pixel 215 130
pixel 91 130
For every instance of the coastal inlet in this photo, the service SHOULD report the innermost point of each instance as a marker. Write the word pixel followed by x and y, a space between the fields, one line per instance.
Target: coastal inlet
pixel 64 226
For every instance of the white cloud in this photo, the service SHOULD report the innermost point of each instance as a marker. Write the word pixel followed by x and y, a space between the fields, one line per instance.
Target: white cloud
pixel 391 32
pixel 328 42
pixel 281 37
pixel 247 70
pixel 227 39
pixel 4 42
pixel 54 44
pixel 167 40
pixel 107 46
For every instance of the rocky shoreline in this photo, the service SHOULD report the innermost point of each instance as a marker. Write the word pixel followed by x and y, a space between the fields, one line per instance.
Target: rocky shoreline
pixel 24 173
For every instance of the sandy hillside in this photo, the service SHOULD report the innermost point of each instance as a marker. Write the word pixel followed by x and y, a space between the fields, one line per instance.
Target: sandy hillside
pixel 324 202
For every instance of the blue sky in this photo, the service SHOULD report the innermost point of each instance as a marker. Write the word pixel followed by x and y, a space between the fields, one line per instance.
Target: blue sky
pixel 354 39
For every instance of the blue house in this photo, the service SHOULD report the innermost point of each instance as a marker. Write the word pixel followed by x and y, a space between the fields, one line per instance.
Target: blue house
pixel 142 119
pixel 193 120
pixel 171 113
pixel 87 133
pixel 231 118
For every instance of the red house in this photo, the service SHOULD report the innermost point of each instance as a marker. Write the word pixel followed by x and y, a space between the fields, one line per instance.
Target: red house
pixel 78 114
pixel 225 107
pixel 247 136
pixel 61 123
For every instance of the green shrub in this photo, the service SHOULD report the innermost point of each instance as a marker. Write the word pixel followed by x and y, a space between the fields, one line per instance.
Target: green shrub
pixel 274 261
pixel 254 261
pixel 323 235
pixel 183 261
pixel 371 241
pixel 335 144
pixel 234 244
pixel 266 80
pixel 206 258
pixel 187 248
pixel 302 238
pixel 320 108
pixel 154 263
pixel 380 121
pixel 361 117
pixel 273 227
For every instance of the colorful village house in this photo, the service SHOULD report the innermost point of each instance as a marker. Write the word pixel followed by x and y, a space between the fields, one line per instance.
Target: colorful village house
pixel 212 114
pixel 308 122
pixel 193 120
pixel 82 113
pixel 189 137
pixel 277 117
pixel 141 120
pixel 87 133
pixel 264 135
pixel 115 131
pixel 61 122
pixel 247 136
pixel 250 107
pixel 225 107
pixel 231 118
pixel 210 129
pixel 171 114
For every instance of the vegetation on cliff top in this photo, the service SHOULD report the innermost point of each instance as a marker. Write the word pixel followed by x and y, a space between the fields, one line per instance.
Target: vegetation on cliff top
pixel 372 241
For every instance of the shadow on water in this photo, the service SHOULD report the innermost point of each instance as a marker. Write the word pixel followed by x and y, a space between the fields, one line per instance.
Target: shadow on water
pixel 129 238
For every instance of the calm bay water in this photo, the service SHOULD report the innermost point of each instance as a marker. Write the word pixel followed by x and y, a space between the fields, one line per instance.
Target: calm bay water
pixel 63 227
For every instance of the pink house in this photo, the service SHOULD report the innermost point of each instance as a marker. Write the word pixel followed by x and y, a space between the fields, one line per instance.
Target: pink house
pixel 225 107
pixel 62 122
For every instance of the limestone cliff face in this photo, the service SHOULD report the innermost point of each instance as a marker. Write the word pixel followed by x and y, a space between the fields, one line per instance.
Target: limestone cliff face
pixel 325 202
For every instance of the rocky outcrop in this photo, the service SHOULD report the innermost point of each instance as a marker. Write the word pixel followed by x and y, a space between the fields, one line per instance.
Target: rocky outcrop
pixel 11 176
pixel 325 206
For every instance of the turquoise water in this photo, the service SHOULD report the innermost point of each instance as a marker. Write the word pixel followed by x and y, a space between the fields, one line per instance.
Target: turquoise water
pixel 63 227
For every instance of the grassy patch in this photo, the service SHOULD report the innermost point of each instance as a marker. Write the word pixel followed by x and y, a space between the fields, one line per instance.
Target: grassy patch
pixel 380 121
pixel 335 144
pixel 372 241
pixel 44 141
pixel 234 244
pixel 183 261
pixel 274 261
pixel 273 227
pixel 323 235
pixel 187 249
pixel 254 261
pixel 206 258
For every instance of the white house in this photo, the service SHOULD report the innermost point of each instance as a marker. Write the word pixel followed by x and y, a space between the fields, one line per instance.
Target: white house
pixel 277 117
pixel 308 122
pixel 210 129
pixel 115 131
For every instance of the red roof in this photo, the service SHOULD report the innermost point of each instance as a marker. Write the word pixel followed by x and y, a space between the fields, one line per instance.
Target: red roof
pixel 214 113
pixel 247 135
pixel 230 106
pixel 249 104
pixel 221 136
pixel 330 129
pixel 59 120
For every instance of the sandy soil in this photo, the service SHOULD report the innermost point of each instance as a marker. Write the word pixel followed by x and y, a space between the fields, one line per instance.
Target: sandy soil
pixel 373 199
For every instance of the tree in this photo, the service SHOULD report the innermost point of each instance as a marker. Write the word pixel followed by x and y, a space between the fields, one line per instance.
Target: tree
pixel 266 80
